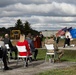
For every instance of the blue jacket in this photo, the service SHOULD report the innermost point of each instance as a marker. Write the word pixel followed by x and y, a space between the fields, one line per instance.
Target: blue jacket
pixel 30 41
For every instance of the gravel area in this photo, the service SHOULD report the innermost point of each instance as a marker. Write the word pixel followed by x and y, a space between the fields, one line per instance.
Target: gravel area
pixel 34 67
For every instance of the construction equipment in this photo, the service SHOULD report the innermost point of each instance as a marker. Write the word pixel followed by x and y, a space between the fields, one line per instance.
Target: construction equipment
pixel 15 34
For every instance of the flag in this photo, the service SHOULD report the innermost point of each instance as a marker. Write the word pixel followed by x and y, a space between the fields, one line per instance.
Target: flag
pixel 64 29
pixel 73 33
pixel 61 32
pixel 70 28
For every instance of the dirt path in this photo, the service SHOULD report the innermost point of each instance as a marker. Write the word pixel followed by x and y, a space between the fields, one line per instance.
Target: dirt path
pixel 34 67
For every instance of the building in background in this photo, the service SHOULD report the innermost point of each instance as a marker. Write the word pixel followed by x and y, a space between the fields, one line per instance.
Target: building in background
pixel 48 33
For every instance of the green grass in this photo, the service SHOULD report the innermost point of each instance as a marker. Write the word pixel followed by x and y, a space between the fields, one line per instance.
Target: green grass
pixel 69 56
pixel 41 54
pixel 65 71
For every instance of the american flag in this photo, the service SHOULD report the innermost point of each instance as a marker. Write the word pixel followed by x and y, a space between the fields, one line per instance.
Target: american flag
pixel 61 32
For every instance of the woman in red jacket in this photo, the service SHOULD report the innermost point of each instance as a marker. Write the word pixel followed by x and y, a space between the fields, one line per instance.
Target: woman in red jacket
pixel 23 42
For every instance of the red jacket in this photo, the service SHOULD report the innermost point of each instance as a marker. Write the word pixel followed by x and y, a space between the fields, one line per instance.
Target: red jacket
pixel 25 43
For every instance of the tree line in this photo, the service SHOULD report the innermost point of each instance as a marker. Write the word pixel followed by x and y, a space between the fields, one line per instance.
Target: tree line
pixel 23 27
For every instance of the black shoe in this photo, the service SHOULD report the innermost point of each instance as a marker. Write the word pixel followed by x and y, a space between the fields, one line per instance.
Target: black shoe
pixel 35 59
pixel 16 58
pixel 11 57
pixel 26 64
pixel 7 68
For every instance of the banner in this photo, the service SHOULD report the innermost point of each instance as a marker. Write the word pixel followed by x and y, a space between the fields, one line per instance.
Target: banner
pixel 73 33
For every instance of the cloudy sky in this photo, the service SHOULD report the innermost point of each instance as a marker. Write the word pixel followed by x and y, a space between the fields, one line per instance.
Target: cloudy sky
pixel 41 14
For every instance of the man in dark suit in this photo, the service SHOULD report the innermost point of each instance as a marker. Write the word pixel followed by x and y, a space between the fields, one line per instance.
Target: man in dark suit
pixel 67 41
pixel 12 48
pixel 3 54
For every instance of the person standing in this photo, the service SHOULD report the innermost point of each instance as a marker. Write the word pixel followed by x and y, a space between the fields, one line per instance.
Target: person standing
pixel 3 54
pixel 41 38
pixel 31 43
pixel 67 41
pixel 38 41
pixel 35 42
pixel 12 48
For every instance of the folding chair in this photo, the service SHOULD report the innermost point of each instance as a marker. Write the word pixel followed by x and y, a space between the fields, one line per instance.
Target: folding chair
pixel 23 54
pixel 50 52
pixel 8 52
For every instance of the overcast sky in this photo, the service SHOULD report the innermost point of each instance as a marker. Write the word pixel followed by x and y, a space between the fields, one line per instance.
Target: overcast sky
pixel 41 14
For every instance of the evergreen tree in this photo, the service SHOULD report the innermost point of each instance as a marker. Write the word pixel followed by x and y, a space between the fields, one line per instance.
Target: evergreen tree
pixel 19 25
pixel 27 27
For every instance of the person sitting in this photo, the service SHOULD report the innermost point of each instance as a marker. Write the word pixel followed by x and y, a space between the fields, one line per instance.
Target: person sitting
pixel 31 43
pixel 50 41
pixel 12 48
pixel 3 54
pixel 60 53
pixel 23 42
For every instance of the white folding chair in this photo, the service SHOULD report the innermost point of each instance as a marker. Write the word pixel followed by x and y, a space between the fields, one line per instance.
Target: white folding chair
pixel 8 51
pixel 7 46
pixel 50 51
pixel 22 49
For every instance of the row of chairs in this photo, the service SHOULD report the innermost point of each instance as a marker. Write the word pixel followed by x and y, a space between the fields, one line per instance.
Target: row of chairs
pixel 49 47
pixel 23 57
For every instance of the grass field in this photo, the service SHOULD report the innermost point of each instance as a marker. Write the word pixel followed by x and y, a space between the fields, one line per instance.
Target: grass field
pixel 65 71
pixel 69 56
